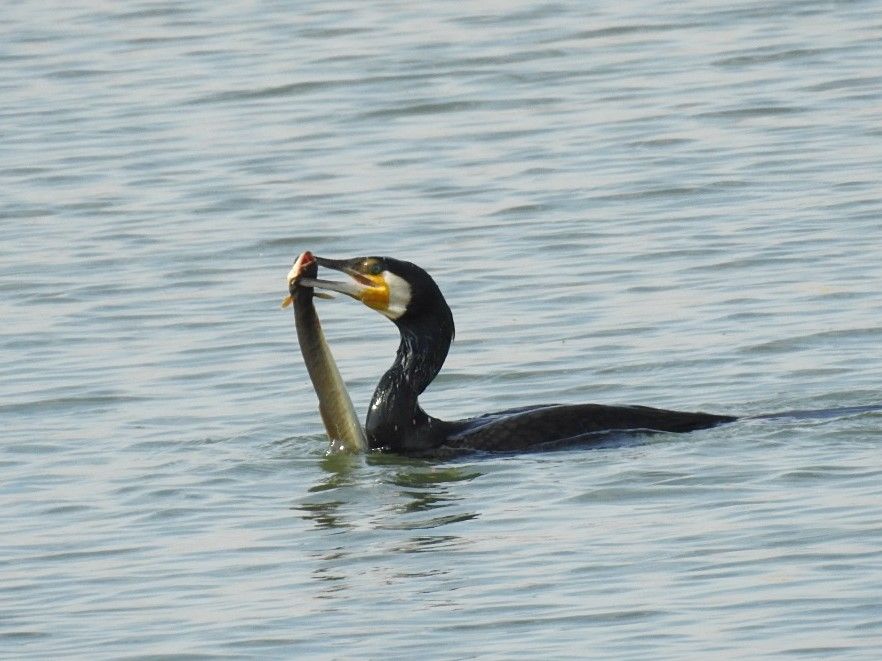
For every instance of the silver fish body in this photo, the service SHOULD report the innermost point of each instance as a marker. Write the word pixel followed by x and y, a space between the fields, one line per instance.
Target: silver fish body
pixel 335 406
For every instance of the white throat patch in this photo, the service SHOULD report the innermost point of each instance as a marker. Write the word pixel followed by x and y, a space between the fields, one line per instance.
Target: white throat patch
pixel 399 295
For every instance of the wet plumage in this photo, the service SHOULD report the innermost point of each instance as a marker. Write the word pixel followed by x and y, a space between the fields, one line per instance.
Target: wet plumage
pixel 410 298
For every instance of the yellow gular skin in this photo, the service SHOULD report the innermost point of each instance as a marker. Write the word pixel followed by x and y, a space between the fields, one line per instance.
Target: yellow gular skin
pixel 376 295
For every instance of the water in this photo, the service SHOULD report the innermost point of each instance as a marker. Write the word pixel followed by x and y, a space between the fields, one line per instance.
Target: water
pixel 668 204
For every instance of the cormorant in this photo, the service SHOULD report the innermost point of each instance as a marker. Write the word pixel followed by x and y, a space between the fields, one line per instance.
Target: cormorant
pixel 410 298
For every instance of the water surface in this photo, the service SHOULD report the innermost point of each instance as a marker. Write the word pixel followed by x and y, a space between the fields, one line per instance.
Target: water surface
pixel 671 205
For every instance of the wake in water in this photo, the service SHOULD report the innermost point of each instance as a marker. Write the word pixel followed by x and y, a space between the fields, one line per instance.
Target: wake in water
pixel 817 414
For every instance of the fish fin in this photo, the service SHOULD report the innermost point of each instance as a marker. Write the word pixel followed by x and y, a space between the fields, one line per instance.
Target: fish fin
pixel 288 300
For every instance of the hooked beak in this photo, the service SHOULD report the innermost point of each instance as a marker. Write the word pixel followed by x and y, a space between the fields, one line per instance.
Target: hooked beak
pixel 372 290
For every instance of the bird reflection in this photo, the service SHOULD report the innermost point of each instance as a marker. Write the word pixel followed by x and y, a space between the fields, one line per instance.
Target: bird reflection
pixel 371 512
pixel 324 514
pixel 419 488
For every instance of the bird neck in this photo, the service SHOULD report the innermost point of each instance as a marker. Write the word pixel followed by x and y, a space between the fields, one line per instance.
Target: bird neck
pixel 395 408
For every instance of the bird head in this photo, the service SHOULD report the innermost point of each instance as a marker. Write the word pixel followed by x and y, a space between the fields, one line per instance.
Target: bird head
pixel 392 287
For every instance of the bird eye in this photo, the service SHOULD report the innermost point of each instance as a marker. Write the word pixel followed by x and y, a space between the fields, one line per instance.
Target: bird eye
pixel 375 269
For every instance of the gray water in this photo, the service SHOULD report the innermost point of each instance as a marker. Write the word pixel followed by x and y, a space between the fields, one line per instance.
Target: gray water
pixel 670 204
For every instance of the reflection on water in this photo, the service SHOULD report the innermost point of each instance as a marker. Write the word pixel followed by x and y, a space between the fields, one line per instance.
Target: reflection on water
pixel 415 486
pixel 425 488
pixel 433 475
pixel 366 502
pixel 339 469
pixel 324 514
pixel 429 543
pixel 431 522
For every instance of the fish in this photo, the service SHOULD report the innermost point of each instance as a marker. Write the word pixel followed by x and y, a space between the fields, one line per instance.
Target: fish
pixel 344 430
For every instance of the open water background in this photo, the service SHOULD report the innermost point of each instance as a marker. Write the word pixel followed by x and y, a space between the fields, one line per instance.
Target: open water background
pixel 672 204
